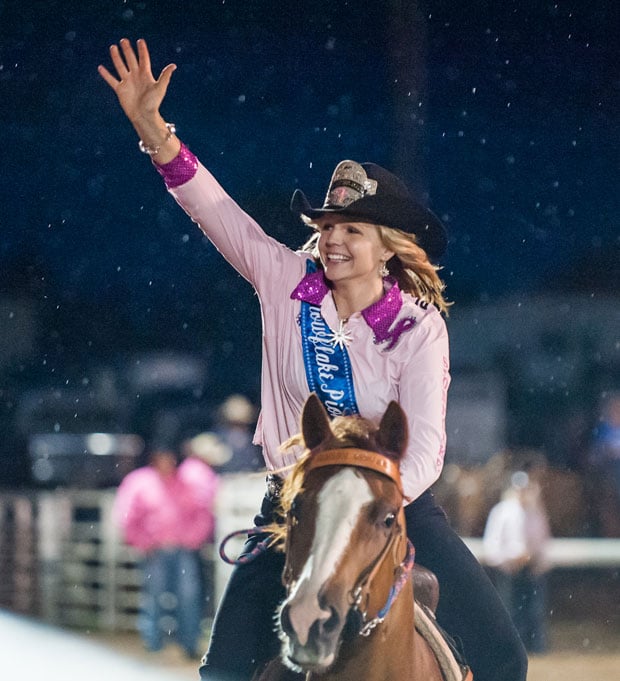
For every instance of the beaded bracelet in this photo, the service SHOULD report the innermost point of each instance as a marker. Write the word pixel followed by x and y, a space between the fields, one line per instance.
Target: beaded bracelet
pixel 153 151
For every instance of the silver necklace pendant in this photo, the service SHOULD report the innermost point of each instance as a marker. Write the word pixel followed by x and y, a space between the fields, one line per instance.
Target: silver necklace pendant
pixel 342 337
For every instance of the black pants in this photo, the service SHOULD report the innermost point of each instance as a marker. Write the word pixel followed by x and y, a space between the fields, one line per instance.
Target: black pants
pixel 470 609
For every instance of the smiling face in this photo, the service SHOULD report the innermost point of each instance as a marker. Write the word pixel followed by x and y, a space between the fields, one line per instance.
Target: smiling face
pixel 350 251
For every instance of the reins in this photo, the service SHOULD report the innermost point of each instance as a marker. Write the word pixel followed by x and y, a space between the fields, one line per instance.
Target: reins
pixel 403 573
pixel 261 547
pixel 349 456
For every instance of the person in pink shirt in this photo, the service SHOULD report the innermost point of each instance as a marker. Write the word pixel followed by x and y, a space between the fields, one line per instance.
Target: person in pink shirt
pixel 356 317
pixel 165 510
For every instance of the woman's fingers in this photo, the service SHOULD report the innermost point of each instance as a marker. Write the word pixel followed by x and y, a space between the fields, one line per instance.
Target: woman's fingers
pixel 166 75
pixel 125 60
pixel 143 55
pixel 108 77
pixel 118 62
pixel 129 54
pixel 138 92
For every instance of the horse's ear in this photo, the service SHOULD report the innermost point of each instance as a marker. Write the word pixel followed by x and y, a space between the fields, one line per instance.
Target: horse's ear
pixel 314 422
pixel 393 431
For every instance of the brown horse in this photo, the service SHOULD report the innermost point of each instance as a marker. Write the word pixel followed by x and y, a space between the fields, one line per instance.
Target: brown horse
pixel 349 610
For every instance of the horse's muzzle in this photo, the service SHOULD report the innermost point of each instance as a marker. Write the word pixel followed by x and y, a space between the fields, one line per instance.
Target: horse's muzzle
pixel 312 650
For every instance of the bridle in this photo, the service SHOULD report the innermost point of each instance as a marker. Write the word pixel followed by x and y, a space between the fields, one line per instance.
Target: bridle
pixel 360 593
pixel 360 458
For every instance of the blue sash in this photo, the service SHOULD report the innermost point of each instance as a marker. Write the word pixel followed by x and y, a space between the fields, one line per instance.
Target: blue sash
pixel 328 368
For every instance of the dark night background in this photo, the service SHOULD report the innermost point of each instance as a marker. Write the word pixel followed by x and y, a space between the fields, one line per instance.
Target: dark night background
pixel 504 114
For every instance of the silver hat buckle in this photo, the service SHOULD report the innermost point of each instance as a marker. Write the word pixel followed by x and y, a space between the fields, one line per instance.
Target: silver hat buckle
pixel 349 183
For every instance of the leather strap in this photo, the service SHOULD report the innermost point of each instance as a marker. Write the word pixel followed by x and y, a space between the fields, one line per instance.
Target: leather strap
pixel 361 458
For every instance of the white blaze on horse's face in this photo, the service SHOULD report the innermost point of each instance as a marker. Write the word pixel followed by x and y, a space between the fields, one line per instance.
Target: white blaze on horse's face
pixel 340 503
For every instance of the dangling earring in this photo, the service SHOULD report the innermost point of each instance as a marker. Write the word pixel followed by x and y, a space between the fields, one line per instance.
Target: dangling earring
pixel 383 270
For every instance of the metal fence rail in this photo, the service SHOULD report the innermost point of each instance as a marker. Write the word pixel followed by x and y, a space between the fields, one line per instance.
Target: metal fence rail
pixel 570 552
pixel 65 561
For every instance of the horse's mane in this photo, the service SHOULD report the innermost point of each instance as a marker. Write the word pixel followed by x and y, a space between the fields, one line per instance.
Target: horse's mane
pixel 347 431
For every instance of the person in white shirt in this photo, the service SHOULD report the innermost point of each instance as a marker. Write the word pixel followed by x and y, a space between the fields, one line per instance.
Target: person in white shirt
pixel 515 544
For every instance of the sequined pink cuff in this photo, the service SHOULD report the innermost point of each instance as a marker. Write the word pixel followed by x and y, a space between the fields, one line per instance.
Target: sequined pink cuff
pixel 180 170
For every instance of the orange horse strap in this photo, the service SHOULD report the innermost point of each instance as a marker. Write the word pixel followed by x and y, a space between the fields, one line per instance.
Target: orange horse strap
pixel 361 458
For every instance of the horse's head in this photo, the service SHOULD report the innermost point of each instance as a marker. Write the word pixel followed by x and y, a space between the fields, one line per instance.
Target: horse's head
pixel 346 532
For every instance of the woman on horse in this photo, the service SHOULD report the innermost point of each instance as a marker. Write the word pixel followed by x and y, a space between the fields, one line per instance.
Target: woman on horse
pixel 355 317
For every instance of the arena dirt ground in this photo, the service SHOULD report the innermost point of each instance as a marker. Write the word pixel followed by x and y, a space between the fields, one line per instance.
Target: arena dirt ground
pixel 579 650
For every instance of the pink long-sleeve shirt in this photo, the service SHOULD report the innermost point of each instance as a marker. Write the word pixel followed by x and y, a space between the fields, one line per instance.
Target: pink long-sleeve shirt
pixel 157 512
pixel 411 367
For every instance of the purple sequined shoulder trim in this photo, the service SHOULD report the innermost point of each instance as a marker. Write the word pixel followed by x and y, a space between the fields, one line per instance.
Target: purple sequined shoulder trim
pixel 381 315
pixel 180 170
pixel 311 289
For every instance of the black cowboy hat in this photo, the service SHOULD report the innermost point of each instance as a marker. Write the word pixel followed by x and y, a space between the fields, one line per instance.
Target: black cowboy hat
pixel 370 193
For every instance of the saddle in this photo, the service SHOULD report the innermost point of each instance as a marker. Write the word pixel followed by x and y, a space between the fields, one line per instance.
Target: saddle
pixel 449 657
pixel 425 587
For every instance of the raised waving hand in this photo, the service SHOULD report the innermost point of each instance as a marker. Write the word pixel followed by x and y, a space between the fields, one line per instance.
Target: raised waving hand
pixel 140 96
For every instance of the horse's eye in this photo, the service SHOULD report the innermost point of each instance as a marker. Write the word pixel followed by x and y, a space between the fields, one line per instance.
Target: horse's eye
pixel 389 519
